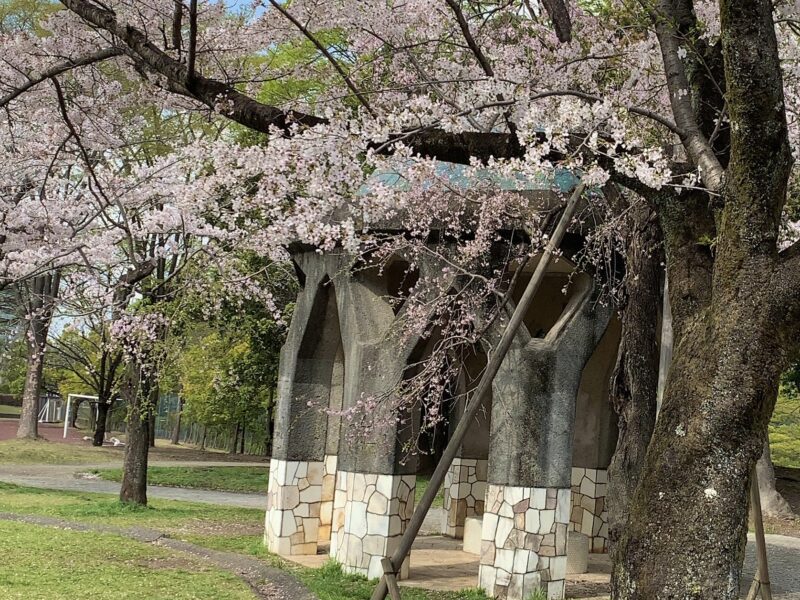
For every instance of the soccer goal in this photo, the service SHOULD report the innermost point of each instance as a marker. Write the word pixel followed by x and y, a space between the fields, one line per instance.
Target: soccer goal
pixel 70 399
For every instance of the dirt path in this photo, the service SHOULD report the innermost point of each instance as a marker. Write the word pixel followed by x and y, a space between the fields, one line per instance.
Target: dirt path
pixel 267 583
pixel 69 478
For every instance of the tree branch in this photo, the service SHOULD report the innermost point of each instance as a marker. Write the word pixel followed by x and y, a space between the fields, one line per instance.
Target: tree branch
pixel 326 53
pixel 697 146
pixel 58 69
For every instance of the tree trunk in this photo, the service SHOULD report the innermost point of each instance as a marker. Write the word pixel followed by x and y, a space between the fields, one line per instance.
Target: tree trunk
pixel 151 430
pixel 635 380
pixel 176 430
pixel 134 471
pixel 103 410
pixel 241 441
pixel 73 417
pixel 232 449
pixel 686 534
pixel 39 304
pixel 28 419
pixel 772 503
pixel 203 439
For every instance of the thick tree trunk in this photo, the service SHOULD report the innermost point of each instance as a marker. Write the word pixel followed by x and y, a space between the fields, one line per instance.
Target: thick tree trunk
pixel 772 503
pixel 103 410
pixel 134 471
pixel 686 533
pixel 635 380
pixel 28 419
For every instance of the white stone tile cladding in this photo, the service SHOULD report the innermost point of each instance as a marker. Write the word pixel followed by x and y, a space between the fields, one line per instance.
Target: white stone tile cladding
pixel 589 515
pixel 294 499
pixel 524 541
pixel 464 494
pixel 370 513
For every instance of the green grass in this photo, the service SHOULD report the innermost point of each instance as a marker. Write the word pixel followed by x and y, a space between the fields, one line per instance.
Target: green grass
pixel 422 485
pixel 229 479
pixel 52 453
pixel 784 429
pixel 221 528
pixel 6 409
pixel 51 564
pixel 164 515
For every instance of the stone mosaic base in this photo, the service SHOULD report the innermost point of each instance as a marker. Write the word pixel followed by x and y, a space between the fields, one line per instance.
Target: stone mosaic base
pixel 370 513
pixel 294 499
pixel 464 494
pixel 589 515
pixel 524 541
pixel 328 490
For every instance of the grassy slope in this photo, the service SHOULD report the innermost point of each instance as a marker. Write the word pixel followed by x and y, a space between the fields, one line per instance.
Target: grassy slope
pixel 229 479
pixel 53 564
pixel 51 453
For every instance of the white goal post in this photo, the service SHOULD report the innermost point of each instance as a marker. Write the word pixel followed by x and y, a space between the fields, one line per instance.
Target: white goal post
pixel 69 405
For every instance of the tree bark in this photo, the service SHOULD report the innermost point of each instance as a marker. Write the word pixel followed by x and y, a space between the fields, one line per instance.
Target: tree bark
pixel 241 441
pixel 28 419
pixel 635 380
pixel 772 503
pixel 176 430
pixel 134 472
pixel 103 410
pixel 39 304
pixel 233 445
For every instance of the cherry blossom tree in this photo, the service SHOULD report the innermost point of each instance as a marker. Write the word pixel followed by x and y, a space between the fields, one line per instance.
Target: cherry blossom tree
pixel 687 105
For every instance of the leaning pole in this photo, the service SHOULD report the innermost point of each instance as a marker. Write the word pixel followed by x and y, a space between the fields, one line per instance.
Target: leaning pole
pixel 388 582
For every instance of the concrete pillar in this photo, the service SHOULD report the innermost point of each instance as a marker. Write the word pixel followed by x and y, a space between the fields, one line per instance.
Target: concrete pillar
pixel 300 491
pixel 376 481
pixel 465 482
pixel 527 512
pixel 594 442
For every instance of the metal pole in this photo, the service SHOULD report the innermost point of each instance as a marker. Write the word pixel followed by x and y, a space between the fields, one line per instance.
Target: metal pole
pixel 484 387
pixel 66 416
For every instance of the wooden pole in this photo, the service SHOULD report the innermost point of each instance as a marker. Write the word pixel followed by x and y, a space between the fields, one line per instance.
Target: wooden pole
pixel 391 565
pixel 761 582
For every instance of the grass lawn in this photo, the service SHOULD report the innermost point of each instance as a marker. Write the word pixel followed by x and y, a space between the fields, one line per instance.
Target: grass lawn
pixel 229 479
pixel 51 564
pixel 171 516
pixel 6 409
pixel 223 528
pixel 51 453
pixel 784 430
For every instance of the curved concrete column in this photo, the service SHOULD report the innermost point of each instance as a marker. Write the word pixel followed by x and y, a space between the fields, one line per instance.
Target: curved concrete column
pixel 303 464
pixel 530 461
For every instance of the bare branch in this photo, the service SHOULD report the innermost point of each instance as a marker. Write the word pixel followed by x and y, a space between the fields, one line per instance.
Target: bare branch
pixel 191 60
pixel 58 69
pixel 326 53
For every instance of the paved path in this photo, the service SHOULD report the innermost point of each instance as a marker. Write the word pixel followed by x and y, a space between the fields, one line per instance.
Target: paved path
pixel 61 477
pixel 783 555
